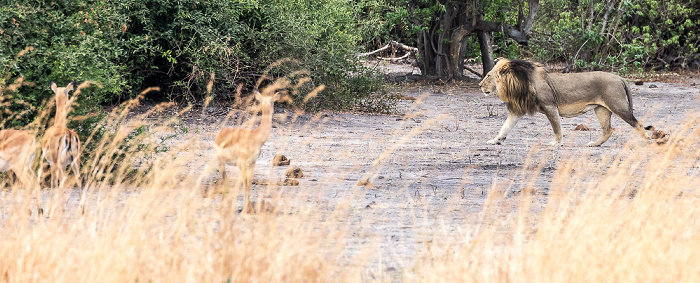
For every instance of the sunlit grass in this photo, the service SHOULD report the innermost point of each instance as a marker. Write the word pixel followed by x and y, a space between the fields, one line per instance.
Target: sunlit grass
pixel 154 213
pixel 635 221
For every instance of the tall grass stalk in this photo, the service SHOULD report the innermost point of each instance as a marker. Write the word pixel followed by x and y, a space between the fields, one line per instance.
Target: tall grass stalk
pixel 153 216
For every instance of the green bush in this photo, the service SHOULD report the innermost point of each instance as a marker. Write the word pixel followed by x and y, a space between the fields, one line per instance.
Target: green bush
pixel 380 21
pixel 80 41
pixel 176 45
pixel 634 35
pixel 322 37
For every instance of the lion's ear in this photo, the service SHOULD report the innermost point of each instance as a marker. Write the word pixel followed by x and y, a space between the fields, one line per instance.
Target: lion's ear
pixel 501 64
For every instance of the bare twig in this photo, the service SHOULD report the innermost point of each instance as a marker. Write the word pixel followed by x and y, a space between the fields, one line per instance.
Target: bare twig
pixel 473 72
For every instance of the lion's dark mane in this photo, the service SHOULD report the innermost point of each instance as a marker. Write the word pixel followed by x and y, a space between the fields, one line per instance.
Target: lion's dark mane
pixel 517 86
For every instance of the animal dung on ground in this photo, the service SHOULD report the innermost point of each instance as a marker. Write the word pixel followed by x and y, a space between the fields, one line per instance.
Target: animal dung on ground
pixel 657 134
pixel 294 172
pixel 290 182
pixel 267 182
pixel 263 182
pixel 280 160
pixel 662 141
pixel 638 82
pixel 582 127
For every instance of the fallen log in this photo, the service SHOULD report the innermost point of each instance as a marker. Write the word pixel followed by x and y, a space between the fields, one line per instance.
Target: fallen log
pixel 399 45
pixel 375 51
pixel 395 45
pixel 395 58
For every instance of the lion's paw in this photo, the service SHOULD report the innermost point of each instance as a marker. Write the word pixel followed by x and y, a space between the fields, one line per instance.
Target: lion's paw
pixel 494 141
pixel 556 143
pixel 592 144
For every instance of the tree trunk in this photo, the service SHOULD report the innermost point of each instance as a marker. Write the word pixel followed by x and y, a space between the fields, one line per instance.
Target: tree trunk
pixel 486 51
pixel 460 60
pixel 440 67
pixel 457 22
pixel 424 56
pixel 456 51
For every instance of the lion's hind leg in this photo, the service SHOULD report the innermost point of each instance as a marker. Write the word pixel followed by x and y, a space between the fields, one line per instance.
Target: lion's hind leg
pixel 603 115
pixel 625 113
pixel 638 127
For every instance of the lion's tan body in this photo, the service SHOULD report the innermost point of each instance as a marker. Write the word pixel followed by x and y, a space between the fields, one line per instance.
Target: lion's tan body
pixel 581 91
pixel 528 88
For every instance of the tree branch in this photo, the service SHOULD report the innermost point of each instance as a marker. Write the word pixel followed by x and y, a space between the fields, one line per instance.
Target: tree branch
pixel 456 40
pixel 473 72
pixel 519 36
pixel 533 6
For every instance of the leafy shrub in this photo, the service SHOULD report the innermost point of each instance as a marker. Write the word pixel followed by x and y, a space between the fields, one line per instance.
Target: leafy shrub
pixel 75 41
pixel 322 36
pixel 129 45
pixel 624 35
pixel 380 21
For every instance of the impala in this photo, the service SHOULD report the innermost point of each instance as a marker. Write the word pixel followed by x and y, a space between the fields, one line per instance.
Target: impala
pixel 17 153
pixel 242 146
pixel 61 146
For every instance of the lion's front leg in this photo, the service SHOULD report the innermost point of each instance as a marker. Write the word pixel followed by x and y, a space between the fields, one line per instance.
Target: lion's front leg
pixel 552 114
pixel 507 126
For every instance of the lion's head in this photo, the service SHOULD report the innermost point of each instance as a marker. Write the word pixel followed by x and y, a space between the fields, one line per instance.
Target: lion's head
pixel 512 82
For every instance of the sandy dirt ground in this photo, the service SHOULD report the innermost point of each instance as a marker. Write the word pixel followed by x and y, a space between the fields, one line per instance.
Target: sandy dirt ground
pixel 429 169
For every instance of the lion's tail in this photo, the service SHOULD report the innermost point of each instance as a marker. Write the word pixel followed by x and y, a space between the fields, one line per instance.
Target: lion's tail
pixel 628 91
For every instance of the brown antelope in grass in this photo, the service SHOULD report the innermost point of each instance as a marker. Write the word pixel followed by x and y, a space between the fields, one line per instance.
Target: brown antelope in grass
pixel 17 153
pixel 242 146
pixel 61 146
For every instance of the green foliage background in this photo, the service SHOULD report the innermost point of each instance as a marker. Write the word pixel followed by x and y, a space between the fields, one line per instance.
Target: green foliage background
pixel 636 34
pixel 128 45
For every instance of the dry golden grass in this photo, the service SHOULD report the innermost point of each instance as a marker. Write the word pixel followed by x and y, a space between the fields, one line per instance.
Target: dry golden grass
pixel 161 236
pixel 148 217
pixel 638 221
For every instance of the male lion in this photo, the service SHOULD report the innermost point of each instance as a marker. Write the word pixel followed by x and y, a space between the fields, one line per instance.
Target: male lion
pixel 527 87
